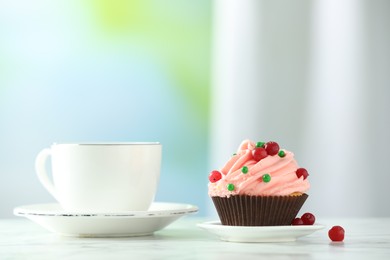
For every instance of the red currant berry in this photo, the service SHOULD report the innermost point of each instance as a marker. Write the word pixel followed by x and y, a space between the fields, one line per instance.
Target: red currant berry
pixel 272 148
pixel 336 233
pixel 308 219
pixel 302 172
pixel 297 222
pixel 215 176
pixel 259 153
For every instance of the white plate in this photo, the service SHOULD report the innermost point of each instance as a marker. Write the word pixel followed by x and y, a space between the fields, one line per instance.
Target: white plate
pixel 131 223
pixel 258 233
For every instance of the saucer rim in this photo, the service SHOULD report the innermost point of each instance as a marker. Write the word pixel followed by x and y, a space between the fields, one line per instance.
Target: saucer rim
pixel 216 224
pixel 106 225
pixel 33 210
pixel 259 234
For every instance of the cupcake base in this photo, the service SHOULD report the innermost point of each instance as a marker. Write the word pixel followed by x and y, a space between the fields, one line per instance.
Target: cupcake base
pixel 243 210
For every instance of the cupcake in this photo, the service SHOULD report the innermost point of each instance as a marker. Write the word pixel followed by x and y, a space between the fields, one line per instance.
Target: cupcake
pixel 260 185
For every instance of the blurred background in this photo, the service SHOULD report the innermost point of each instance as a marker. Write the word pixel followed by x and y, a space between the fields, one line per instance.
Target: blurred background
pixel 200 76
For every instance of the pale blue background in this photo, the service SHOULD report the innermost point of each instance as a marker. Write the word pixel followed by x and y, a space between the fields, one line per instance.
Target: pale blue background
pixel 70 75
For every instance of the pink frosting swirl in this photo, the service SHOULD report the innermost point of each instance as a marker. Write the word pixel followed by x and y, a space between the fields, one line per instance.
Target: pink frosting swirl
pixel 282 170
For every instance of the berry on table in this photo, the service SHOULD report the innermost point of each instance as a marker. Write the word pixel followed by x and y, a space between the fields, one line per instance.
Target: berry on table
pixel 215 176
pixel 302 172
pixel 297 222
pixel 259 153
pixel 336 233
pixel 308 218
pixel 272 148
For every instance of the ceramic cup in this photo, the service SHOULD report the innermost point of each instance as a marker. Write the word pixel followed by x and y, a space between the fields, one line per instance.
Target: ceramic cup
pixel 101 177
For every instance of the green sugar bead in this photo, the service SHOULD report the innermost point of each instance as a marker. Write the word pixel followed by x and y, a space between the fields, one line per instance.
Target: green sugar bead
pixel 244 170
pixel 230 187
pixel 266 177
pixel 281 154
pixel 260 144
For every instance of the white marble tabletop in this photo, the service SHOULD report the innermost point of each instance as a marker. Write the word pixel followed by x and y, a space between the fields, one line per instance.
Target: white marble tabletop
pixel 365 239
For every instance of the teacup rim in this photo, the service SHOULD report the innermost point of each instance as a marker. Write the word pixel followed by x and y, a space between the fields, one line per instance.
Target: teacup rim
pixel 105 143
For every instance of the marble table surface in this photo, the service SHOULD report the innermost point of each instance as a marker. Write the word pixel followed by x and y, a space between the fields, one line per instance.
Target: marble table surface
pixel 367 238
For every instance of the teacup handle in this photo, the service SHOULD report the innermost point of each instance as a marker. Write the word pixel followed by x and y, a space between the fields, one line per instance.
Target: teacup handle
pixel 40 168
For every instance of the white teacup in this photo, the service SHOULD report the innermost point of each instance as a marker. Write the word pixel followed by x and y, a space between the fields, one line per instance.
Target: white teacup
pixel 102 177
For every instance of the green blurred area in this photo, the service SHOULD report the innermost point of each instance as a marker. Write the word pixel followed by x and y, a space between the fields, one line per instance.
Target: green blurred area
pixel 177 32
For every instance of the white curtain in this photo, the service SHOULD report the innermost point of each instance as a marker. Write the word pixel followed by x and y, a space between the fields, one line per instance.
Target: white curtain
pixel 314 76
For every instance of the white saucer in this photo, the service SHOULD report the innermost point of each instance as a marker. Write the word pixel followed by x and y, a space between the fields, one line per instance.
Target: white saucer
pixel 258 233
pixel 131 223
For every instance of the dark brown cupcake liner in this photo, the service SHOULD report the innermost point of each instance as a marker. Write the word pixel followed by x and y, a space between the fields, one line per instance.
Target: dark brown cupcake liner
pixel 243 210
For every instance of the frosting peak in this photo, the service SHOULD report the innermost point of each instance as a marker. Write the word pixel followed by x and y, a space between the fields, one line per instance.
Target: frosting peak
pixel 259 169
